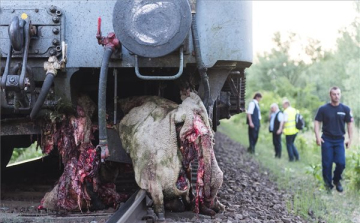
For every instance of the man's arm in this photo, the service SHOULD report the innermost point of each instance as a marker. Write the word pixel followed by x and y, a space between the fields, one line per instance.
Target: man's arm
pixel 251 124
pixel 319 140
pixel 350 131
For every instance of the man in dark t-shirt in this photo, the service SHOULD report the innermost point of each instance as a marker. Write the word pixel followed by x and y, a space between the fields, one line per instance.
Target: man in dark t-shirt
pixel 333 117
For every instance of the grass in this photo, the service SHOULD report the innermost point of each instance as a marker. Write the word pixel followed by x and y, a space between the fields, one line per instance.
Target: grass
pixel 303 179
pixel 24 154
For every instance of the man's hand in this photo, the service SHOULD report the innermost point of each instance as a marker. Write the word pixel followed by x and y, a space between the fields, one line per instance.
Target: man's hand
pixel 348 144
pixel 319 141
pixel 251 125
pixel 279 131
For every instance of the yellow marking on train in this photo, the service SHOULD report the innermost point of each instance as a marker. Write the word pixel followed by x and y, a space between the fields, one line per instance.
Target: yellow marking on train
pixel 24 16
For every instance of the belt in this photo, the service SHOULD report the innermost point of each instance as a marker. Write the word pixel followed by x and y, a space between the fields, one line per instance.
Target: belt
pixel 333 137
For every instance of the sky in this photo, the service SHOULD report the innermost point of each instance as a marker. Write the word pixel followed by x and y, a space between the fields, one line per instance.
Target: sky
pixel 319 20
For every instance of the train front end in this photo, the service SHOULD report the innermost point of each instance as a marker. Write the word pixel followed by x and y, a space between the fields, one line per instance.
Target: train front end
pixel 55 54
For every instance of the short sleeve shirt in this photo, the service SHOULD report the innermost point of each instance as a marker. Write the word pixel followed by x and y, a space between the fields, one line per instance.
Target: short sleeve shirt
pixel 333 119
pixel 251 108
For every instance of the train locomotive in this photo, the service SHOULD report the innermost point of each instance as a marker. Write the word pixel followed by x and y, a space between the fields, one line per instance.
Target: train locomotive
pixel 53 53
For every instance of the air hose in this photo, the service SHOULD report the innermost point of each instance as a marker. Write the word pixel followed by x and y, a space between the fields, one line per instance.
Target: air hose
pixel 49 79
pixel 102 102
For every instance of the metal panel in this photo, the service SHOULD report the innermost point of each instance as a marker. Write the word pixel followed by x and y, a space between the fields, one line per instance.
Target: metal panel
pixel 80 26
pixel 80 33
pixel 46 38
pixel 225 30
pixel 38 15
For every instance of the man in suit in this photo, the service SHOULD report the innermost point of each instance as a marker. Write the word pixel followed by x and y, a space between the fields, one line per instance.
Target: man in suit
pixel 253 120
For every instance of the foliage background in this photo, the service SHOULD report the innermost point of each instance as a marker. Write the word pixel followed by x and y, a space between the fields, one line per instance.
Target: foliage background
pixel 306 82
pixel 279 74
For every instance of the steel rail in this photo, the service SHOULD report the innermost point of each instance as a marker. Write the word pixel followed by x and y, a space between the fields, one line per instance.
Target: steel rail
pixel 132 211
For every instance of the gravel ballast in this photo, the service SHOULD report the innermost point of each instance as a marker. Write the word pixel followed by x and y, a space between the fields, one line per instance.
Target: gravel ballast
pixel 247 191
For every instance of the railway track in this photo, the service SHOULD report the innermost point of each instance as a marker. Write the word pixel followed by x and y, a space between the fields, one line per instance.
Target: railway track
pixel 247 191
pixel 135 209
pixel 23 186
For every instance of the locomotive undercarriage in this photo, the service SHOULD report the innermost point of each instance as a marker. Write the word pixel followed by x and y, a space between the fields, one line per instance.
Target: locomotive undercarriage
pixel 228 97
pixel 85 82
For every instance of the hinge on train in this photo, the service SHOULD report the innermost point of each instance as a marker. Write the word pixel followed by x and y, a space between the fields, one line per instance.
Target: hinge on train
pixel 231 100
pixel 237 84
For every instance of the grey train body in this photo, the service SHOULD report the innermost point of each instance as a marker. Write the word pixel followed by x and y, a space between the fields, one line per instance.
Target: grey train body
pixel 157 50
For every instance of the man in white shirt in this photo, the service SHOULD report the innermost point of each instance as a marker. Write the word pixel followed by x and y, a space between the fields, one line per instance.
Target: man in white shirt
pixel 253 120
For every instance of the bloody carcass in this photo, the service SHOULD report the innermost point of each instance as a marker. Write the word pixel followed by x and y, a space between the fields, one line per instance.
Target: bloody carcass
pixel 163 139
pixel 79 187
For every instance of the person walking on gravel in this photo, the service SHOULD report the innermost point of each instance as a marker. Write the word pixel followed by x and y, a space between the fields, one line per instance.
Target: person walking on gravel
pixel 333 117
pixel 276 125
pixel 253 120
pixel 290 130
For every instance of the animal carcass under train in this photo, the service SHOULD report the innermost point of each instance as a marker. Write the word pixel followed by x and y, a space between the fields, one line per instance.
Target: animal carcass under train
pixel 152 47
pixel 81 186
pixel 163 138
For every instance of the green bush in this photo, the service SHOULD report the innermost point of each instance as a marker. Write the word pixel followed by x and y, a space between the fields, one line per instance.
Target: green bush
pixel 352 171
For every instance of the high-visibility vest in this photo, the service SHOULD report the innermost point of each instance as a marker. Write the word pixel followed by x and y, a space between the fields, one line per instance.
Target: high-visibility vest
pixel 290 124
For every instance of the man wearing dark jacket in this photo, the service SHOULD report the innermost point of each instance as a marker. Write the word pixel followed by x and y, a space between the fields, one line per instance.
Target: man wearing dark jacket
pixel 253 120
pixel 276 125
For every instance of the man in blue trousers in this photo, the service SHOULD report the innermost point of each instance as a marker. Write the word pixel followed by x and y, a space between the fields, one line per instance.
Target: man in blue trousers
pixel 333 117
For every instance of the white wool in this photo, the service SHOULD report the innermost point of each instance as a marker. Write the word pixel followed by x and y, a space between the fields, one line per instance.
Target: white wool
pixel 148 134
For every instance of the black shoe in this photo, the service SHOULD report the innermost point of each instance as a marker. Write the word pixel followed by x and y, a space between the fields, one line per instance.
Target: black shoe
pixel 338 186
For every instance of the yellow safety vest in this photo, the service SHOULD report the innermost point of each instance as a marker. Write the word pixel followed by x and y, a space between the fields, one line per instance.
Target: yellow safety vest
pixel 290 124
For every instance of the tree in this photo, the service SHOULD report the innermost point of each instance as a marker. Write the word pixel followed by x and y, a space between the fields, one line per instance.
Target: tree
pixel 278 72
pixel 341 68
pixel 348 58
